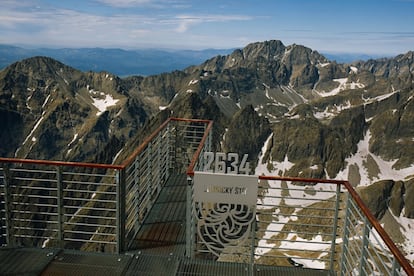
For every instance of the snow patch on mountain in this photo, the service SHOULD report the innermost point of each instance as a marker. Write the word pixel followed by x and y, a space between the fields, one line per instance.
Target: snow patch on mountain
pixel 29 136
pixel 192 82
pixel 385 167
pixel 407 228
pixel 379 98
pixel 324 64
pixel 343 85
pixel 332 111
pixel 102 101
pixel 353 69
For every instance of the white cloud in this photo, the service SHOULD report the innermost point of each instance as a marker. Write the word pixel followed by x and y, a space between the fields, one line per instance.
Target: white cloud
pixel 125 3
pixel 185 21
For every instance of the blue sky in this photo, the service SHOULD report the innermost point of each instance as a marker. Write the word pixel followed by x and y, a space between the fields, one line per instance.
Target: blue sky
pixel 352 26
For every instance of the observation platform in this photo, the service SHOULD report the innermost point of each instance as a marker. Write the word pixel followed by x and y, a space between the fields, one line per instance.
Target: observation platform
pixel 174 208
pixel 158 249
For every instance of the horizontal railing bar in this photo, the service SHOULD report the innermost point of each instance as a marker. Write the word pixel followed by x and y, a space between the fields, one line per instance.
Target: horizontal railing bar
pixel 384 266
pixel 52 189
pixel 300 179
pixel 88 241
pixel 302 224
pixel 290 232
pixel 302 198
pixel 33 212
pixel 285 257
pixel 88 224
pixel 32 171
pixel 90 192
pixel 34 228
pixel 88 216
pixel 294 249
pixel 89 233
pixel 89 208
pixel 89 200
pixel 109 174
pixel 287 206
pixel 293 215
pixel 347 256
pixel 34 204
pixel 297 189
pixel 145 143
pixel 60 163
pixel 352 252
pixel 88 183
pixel 34 196
pixel 34 237
pixel 46 180
pixel 296 241
pixel 36 220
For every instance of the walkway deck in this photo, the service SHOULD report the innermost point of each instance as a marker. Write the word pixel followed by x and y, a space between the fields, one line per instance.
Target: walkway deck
pixel 163 232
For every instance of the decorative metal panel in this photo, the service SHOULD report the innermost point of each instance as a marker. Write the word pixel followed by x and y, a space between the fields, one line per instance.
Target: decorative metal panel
pixel 225 209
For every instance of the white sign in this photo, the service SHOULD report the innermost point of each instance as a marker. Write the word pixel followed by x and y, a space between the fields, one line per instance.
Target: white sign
pixel 225 188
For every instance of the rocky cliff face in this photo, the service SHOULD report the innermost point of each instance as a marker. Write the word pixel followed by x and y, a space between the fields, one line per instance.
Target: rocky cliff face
pixel 63 114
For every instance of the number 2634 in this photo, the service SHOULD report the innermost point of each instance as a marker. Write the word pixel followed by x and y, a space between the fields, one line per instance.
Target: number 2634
pixel 230 163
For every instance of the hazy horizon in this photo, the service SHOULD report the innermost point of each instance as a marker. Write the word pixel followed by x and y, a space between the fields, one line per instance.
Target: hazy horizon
pixel 370 27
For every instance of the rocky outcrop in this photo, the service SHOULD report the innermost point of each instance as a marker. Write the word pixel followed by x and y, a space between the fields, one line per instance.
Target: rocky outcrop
pixel 388 194
pixel 246 134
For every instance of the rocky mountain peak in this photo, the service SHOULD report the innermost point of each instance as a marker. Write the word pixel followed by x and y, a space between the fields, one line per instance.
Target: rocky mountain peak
pixel 40 67
pixel 266 50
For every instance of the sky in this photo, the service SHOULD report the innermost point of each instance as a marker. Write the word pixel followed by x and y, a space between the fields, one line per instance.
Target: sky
pixel 330 26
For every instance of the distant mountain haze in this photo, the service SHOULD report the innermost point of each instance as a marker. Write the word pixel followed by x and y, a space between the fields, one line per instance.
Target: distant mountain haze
pixel 142 62
pixel 117 61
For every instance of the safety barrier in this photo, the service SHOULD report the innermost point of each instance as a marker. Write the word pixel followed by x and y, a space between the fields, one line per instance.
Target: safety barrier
pixel 293 221
pixel 59 204
pixel 311 223
pixel 93 207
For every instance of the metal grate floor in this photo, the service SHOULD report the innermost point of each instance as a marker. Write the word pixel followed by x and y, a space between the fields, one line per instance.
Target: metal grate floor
pixel 164 228
pixel 25 261
pixel 22 261
pixel 83 263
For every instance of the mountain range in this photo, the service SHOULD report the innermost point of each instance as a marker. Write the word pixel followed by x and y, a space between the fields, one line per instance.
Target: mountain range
pixel 121 62
pixel 124 63
pixel 294 111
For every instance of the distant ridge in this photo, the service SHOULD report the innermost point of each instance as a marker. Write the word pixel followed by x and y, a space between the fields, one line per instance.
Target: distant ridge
pixel 120 62
pixel 351 57
pixel 142 62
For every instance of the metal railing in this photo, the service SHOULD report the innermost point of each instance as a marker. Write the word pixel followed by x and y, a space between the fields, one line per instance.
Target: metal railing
pixel 59 204
pixel 169 148
pixel 93 207
pixel 297 223
pixel 367 249
pixel 302 222
pixel 313 223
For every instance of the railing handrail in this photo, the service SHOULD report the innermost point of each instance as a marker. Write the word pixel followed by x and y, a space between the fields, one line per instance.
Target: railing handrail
pixel 106 166
pixel 145 143
pixel 377 226
pixel 190 169
pixel 374 222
